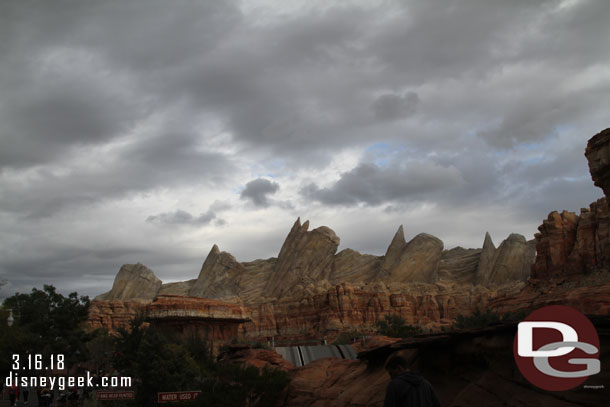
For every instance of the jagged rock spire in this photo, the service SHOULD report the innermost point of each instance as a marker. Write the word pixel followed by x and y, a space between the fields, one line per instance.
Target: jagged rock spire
pixel 394 251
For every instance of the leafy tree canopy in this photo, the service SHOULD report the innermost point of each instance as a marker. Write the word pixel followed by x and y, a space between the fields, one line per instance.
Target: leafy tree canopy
pixel 45 322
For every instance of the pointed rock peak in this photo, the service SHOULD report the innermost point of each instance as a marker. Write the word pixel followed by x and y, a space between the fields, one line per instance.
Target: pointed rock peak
pixel 297 224
pixel 398 241
pixel 392 254
pixel 305 226
pixel 399 236
pixel 487 242
pixel 211 257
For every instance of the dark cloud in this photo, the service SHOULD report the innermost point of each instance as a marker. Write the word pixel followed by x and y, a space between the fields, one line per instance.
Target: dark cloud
pixel 373 185
pixel 180 217
pixel 257 191
pixel 150 163
pixel 54 115
pixel 394 107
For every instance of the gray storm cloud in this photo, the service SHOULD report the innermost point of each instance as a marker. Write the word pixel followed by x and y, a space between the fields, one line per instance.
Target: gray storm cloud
pixel 257 191
pixel 373 185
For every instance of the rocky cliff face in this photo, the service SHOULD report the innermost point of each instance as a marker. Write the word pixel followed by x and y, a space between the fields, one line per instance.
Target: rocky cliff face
pixel 114 314
pixel 569 245
pixel 344 307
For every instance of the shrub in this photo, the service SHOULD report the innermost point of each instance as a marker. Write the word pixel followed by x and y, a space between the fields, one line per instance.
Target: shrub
pixel 396 327
pixel 477 320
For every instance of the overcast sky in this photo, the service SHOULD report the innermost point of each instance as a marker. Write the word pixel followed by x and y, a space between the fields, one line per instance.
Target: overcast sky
pixel 148 130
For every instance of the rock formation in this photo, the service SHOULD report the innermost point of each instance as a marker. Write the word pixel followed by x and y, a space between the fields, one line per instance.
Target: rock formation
pixel 305 257
pixel 179 288
pixel 133 282
pixel 318 291
pixel 419 261
pixel 459 265
pixel 393 253
pixel 113 314
pixel 486 261
pixel 512 260
pixel 218 277
pixel 598 156
pixel 349 265
pixel 569 245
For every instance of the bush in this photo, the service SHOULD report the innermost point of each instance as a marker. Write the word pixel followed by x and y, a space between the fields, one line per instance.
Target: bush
pixel 477 320
pixel 396 327
pixel 516 316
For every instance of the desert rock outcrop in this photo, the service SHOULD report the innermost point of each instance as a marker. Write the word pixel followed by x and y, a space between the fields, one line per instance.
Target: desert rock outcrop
pixel 569 245
pixel 133 282
pixel 305 257
pixel 218 276
pixel 419 261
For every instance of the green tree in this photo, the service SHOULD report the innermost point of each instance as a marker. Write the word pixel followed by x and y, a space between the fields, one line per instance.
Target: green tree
pixel 46 322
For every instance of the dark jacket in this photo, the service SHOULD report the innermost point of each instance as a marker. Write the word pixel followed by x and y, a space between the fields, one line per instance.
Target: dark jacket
pixel 410 390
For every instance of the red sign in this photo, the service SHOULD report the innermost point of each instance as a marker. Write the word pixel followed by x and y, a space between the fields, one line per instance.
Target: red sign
pixel 173 396
pixel 114 395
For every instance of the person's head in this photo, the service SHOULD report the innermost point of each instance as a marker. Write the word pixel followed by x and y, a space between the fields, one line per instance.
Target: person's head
pixel 396 365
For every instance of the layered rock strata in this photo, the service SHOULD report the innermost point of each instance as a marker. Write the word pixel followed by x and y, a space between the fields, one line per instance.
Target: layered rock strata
pixel 569 245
